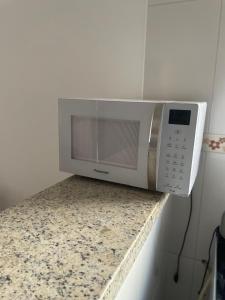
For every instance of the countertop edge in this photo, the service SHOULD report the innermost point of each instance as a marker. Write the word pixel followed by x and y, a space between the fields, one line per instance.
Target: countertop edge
pixel 123 269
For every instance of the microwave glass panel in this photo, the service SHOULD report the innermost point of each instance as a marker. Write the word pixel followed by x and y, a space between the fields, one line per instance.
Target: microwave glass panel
pixel 118 142
pixel 83 139
pixel 106 141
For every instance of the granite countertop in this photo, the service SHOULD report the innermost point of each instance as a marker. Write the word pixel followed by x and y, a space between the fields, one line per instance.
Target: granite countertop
pixel 75 240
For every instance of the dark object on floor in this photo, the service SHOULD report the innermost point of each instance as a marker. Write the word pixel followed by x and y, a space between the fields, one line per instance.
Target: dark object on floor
pixel 220 276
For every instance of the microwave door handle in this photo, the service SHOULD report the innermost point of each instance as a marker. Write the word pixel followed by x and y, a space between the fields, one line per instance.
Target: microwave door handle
pixel 153 144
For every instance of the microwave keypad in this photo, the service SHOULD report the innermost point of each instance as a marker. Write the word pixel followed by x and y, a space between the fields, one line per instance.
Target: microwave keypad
pixel 174 160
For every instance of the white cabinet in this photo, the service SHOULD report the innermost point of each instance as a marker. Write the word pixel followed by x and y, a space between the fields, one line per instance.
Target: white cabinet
pixel 139 282
pixel 146 278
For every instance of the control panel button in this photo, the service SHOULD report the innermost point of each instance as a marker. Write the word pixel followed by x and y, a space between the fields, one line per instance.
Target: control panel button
pixel 177 131
pixel 178 187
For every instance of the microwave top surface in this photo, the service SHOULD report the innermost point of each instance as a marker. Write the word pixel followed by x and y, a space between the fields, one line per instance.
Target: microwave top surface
pixel 132 100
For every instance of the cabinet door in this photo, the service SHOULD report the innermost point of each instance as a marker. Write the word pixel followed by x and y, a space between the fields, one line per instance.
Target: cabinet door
pixel 146 276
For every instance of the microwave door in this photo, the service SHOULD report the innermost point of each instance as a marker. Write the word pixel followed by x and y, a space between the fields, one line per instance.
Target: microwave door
pixel 106 139
pixel 77 135
pixel 84 138
pixel 123 138
pixel 118 140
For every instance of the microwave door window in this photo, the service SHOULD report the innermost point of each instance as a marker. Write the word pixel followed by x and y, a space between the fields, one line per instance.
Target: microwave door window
pixel 118 142
pixel 106 141
pixel 83 138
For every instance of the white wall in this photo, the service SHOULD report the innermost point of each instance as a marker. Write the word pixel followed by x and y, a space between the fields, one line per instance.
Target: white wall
pixel 185 60
pixel 50 49
pixel 213 195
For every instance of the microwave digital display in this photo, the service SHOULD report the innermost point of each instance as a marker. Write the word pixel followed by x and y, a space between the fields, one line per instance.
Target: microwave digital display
pixel 179 117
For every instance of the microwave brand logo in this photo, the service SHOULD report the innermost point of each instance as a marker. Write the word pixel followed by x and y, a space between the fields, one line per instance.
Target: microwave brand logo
pixel 100 171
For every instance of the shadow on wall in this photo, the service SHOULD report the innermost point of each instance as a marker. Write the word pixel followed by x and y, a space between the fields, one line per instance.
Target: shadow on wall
pixel 4 199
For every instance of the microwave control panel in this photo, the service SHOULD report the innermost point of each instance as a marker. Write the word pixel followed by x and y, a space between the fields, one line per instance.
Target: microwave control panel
pixel 176 148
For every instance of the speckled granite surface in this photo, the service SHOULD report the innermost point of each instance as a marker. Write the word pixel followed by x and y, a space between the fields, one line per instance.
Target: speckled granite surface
pixel 75 240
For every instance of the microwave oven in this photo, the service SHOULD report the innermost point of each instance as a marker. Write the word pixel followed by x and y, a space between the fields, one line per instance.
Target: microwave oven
pixel 149 144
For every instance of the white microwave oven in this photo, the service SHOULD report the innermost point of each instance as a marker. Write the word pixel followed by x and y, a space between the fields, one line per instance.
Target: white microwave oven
pixel 149 144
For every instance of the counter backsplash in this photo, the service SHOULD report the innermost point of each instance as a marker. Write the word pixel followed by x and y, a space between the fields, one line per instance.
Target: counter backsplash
pixel 214 143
